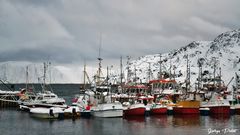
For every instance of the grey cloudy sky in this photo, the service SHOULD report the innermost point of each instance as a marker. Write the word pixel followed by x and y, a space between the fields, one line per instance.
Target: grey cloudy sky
pixel 68 31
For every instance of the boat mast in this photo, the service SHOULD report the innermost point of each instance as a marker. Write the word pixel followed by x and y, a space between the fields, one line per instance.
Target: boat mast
pixel 128 68
pixel 50 72
pixel 214 74
pixel 199 74
pixel 109 87
pixel 188 77
pixel 135 74
pixel 160 66
pixel 170 69
pixel 220 76
pixel 27 81
pixel 84 76
pixel 149 71
pixel 44 76
pixel 237 85
pixel 174 72
pixel 121 74
pixel 100 62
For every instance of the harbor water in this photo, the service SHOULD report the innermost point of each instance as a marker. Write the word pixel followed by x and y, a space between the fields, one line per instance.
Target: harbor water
pixel 16 122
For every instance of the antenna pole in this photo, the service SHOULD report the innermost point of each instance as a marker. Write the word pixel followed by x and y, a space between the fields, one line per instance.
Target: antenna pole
pixel 44 76
pixel 199 74
pixel 121 74
pixel 170 70
pixel 27 78
pixel 149 72
pixel 214 74
pixel 160 67
pixel 188 76
pixel 100 61
pixel 135 74
pixel 128 68
pixel 84 76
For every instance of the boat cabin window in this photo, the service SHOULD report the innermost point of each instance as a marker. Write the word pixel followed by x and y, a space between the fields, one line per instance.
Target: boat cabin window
pixel 50 96
pixel 40 98
pixel 165 85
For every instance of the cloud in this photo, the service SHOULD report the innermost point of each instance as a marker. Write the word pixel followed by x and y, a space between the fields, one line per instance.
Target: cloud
pixel 202 26
pixel 68 32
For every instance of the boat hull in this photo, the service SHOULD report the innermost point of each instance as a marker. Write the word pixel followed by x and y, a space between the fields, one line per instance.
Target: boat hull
pixel 134 112
pixel 183 110
pixel 220 110
pixel 71 112
pixel 47 113
pixel 24 108
pixel 155 111
pixel 108 113
pixel 187 107
pixel 237 111
pixel 26 105
pixel 85 114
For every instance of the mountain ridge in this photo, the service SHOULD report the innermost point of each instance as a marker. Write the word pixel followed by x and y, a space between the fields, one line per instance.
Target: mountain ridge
pixel 224 50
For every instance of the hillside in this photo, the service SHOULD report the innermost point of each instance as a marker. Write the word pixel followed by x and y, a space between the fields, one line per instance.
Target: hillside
pixel 224 51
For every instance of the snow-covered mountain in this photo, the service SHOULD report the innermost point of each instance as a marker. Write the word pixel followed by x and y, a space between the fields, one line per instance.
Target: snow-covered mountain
pixel 224 51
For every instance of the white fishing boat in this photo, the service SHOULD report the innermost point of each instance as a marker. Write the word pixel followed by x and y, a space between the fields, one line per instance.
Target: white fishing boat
pixel 105 107
pixel 108 110
pixel 46 99
pixel 72 111
pixel 84 102
pixel 47 113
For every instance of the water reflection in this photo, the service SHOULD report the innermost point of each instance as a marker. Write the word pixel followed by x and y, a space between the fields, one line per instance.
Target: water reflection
pixel 186 120
pixel 135 119
pixel 220 117
pixel 220 121
pixel 160 120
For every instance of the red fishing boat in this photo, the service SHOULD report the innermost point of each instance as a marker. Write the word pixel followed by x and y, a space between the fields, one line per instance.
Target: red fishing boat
pixel 158 109
pixel 137 109
pixel 217 105
pixel 135 105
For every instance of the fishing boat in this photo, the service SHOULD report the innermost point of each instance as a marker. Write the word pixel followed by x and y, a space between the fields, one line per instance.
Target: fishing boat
pixel 163 89
pixel 217 105
pixel 187 107
pixel 236 95
pixel 105 106
pixel 84 101
pixel 136 101
pixel 153 108
pixel 136 109
pixel 158 109
pixel 188 103
pixel 46 98
pixel 108 110
pixel 47 113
